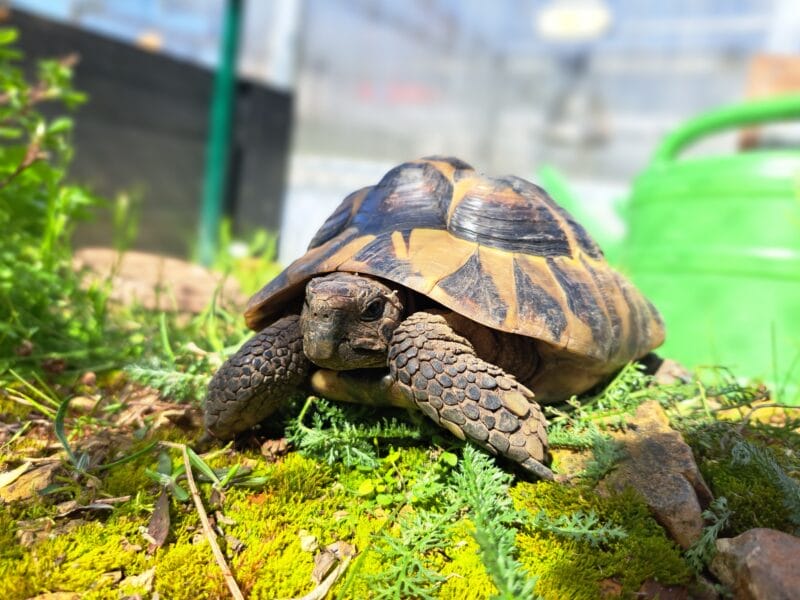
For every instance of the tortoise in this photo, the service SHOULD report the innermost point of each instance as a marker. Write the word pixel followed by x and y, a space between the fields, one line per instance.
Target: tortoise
pixel 447 291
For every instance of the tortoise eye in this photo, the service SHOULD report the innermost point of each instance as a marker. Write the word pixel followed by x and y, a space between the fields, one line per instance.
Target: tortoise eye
pixel 373 311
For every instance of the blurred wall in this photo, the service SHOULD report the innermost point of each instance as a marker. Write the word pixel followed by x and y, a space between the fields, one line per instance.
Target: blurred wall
pixel 380 82
pixel 143 132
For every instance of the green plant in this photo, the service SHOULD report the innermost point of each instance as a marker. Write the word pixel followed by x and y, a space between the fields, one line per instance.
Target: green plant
pixel 252 262
pixel 44 311
pixel 581 526
pixel 349 435
pixel 759 481
pixel 407 574
pixel 745 453
pixel 717 515
pixel 484 490
pixel 606 453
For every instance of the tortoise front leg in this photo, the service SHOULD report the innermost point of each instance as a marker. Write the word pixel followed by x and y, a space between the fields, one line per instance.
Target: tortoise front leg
pixel 438 370
pixel 256 380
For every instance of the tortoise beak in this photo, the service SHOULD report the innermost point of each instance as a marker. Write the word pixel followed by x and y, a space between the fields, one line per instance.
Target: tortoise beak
pixel 319 346
pixel 321 336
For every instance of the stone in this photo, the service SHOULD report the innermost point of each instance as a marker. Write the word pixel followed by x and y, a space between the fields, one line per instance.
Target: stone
pixel 671 371
pixel 308 542
pixel 660 466
pixel 759 564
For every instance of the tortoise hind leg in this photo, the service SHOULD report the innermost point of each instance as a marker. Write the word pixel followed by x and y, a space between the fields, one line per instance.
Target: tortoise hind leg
pixel 255 381
pixel 438 370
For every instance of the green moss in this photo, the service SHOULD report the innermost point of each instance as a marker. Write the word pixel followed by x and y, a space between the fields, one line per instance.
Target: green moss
pixel 753 494
pixel 753 497
pixel 75 561
pixel 129 478
pixel 466 575
pixel 303 494
pixel 13 411
pixel 187 571
pixel 574 569
pixel 300 495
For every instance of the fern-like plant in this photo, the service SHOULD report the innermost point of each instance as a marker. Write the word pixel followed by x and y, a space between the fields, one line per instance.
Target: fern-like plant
pixel 744 452
pixel 407 573
pixel 580 526
pixel 702 551
pixel 346 435
pixel 484 490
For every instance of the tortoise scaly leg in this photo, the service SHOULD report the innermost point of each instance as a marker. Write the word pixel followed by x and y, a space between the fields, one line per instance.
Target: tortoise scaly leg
pixel 437 369
pixel 256 380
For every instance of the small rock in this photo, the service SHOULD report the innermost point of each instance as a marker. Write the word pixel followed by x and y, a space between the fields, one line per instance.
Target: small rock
pixel 57 596
pixel 235 545
pixel 661 467
pixel 671 371
pixel 24 349
pixel 760 564
pixel 308 542
pixel 89 379
pixel 54 366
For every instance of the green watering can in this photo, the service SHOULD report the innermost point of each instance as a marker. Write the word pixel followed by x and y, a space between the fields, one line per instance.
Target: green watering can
pixel 714 242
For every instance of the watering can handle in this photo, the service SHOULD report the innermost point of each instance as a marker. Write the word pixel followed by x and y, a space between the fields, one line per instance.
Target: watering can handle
pixel 780 108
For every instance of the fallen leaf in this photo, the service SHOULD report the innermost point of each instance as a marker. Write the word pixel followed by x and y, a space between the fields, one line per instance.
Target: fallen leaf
pixel 235 545
pixel 327 560
pixel 9 477
pixel 28 484
pixel 324 563
pixel 272 449
pixel 71 507
pixel 158 528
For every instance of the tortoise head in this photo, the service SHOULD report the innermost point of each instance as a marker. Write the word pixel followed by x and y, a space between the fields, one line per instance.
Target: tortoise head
pixel 348 321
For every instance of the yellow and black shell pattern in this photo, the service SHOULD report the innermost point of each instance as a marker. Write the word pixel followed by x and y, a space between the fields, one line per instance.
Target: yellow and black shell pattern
pixel 497 250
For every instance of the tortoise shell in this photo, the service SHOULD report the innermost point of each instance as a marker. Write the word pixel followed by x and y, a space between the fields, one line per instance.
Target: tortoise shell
pixel 497 250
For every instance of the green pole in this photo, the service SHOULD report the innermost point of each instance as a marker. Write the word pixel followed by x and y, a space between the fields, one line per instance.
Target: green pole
pixel 217 149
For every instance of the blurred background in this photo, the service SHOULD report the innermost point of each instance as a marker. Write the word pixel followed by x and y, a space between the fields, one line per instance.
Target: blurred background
pixel 578 95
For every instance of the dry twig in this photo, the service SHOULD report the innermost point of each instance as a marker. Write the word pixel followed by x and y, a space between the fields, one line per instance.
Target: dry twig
pixel 210 535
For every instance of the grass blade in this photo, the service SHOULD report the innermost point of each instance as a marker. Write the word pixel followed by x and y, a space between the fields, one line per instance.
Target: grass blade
pixel 59 429
pixel 199 464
